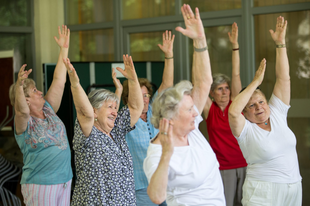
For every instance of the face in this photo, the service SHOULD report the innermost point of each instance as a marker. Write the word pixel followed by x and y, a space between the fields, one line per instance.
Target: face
pixel 146 99
pixel 184 122
pixel 35 97
pixel 106 115
pixel 257 109
pixel 221 93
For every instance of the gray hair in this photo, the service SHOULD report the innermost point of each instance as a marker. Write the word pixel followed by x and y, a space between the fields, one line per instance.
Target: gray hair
pixel 27 83
pixel 99 96
pixel 166 104
pixel 219 79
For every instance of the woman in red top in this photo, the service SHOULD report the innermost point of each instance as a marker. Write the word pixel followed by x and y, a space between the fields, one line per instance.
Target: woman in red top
pixel 222 141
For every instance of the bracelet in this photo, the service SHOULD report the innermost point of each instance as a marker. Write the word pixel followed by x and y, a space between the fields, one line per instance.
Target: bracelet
pixel 235 49
pixel 168 57
pixel 201 49
pixel 280 45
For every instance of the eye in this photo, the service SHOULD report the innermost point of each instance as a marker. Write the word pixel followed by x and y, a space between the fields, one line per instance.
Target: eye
pixel 261 102
pixel 251 106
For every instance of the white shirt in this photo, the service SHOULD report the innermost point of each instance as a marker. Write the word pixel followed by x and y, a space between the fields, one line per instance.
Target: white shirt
pixel 271 156
pixel 193 177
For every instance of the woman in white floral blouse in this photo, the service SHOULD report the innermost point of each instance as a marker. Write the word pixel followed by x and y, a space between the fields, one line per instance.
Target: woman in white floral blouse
pixel 102 158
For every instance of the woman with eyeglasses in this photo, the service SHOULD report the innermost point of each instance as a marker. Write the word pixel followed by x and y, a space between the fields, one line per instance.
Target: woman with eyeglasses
pixel 139 139
pixel 102 158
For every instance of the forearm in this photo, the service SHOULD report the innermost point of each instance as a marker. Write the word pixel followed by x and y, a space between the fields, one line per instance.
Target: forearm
pixel 20 104
pixel 118 93
pixel 81 102
pixel 235 76
pixel 168 74
pixel 60 72
pixel 159 181
pixel 242 99
pixel 282 64
pixel 135 98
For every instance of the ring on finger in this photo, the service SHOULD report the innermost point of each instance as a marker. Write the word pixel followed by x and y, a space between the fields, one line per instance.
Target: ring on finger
pixel 164 133
pixel 70 71
pixel 188 17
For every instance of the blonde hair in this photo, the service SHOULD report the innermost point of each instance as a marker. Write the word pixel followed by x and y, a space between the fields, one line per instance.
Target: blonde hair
pixel 27 83
pixel 166 104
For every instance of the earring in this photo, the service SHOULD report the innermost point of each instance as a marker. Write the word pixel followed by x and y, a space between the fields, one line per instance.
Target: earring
pixel 96 119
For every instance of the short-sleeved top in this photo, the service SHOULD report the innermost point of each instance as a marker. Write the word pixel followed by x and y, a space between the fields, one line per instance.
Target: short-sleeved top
pixel 104 165
pixel 46 151
pixel 193 175
pixel 221 139
pixel 271 156
pixel 138 141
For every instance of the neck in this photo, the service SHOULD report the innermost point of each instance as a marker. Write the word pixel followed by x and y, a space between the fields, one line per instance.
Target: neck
pixel 144 116
pixel 102 129
pixel 222 105
pixel 180 139
pixel 37 114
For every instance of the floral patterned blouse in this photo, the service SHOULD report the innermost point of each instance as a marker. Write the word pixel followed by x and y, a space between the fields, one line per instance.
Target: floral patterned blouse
pixel 104 165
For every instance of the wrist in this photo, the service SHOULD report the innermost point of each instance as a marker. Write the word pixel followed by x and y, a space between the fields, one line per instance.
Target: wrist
pixel 235 45
pixel 200 43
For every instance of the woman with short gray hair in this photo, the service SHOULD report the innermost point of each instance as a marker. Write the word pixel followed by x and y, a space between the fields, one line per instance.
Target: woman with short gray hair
pixel 221 139
pixel 103 162
pixel 180 164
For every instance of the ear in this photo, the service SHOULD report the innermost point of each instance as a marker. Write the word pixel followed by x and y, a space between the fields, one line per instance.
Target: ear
pixel 211 93
pixel 95 113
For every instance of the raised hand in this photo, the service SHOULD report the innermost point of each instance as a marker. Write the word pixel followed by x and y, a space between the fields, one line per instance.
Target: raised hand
pixel 129 72
pixel 165 136
pixel 167 46
pixel 22 75
pixel 116 81
pixel 278 35
pixel 64 37
pixel 233 36
pixel 194 28
pixel 74 79
pixel 259 75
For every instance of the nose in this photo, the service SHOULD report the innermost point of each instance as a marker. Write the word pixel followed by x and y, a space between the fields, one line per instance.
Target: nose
pixel 195 114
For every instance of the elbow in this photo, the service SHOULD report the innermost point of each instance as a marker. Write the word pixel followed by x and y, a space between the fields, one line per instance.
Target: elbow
pixel 155 197
pixel 232 113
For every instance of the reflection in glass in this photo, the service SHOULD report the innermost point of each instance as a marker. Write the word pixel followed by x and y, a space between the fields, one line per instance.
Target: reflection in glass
pixel 219 49
pixel 211 5
pixel 298 49
pixel 14 13
pixel 258 3
pixel 138 9
pixel 143 46
pixel 95 45
pixel 89 11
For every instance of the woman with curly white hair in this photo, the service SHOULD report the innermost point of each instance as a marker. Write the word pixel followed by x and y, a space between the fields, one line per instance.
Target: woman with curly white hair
pixel 180 165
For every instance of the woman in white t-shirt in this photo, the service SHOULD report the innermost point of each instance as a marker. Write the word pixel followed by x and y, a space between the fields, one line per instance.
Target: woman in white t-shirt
pixel 180 164
pixel 266 141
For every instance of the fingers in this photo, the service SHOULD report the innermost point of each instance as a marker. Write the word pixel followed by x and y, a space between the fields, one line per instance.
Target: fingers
pixel 197 13
pixel 59 31
pixel 172 38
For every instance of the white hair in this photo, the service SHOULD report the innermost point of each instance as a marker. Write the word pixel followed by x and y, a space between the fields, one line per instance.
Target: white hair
pixel 99 96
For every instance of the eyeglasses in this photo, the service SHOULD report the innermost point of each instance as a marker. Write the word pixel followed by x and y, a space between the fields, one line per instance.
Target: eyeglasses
pixel 146 95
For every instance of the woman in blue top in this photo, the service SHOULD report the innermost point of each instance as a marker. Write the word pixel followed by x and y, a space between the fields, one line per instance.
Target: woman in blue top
pixel 41 135
pixel 139 139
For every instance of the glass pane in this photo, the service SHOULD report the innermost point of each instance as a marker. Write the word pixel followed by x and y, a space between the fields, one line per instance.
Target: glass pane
pixel 139 9
pixel 14 13
pixel 95 45
pixel 211 5
pixel 89 11
pixel 143 46
pixel 219 49
pixel 21 44
pixel 297 43
pixel 258 3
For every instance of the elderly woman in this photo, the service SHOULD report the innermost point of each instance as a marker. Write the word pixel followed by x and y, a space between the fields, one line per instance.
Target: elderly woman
pixel 180 165
pixel 41 135
pixel 222 141
pixel 102 158
pixel 138 139
pixel 266 141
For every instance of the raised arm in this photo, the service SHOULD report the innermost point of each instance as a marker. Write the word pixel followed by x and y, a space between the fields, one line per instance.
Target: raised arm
pixel 159 180
pixel 201 71
pixel 282 88
pixel 135 98
pixel 118 86
pixel 236 119
pixel 84 110
pixel 22 111
pixel 167 48
pixel 55 92
pixel 235 75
